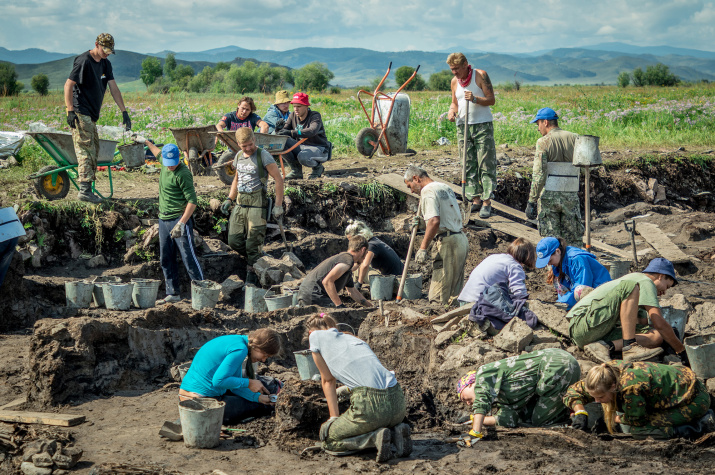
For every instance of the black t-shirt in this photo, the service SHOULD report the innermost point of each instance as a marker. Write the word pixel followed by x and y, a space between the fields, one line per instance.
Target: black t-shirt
pixel 91 77
pixel 385 260
pixel 234 123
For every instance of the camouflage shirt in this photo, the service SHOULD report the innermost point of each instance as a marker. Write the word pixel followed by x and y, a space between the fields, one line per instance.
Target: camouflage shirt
pixel 644 390
pixel 555 146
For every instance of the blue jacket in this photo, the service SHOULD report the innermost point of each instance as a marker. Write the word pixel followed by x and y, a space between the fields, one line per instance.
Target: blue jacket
pixel 579 268
pixel 272 116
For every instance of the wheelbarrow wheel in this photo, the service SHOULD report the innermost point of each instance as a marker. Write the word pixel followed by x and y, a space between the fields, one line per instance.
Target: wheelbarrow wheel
pixel 44 186
pixel 226 174
pixel 363 139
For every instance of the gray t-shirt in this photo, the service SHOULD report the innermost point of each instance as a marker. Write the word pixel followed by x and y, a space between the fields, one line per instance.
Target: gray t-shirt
pixel 351 360
pixel 247 170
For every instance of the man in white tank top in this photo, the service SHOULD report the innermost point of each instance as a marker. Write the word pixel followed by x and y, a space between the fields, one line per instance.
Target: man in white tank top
pixel 473 87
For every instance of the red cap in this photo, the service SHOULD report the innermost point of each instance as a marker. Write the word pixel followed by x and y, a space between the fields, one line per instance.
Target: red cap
pixel 300 98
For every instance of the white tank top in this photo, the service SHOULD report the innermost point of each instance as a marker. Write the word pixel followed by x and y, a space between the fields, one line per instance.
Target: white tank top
pixel 477 114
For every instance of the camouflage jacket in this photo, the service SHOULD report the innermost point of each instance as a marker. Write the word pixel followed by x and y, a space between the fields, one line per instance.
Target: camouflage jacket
pixel 644 389
pixel 556 146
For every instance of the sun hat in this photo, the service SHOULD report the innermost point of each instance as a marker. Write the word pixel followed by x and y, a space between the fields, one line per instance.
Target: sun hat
pixel 660 265
pixel 106 41
pixel 170 155
pixel 282 97
pixel 546 113
pixel 300 98
pixel 544 250
pixel 466 380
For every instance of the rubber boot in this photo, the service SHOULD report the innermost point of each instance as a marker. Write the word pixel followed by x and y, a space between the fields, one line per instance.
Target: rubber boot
pixel 296 171
pixel 401 438
pixel 379 439
pixel 698 428
pixel 317 172
pixel 251 277
pixel 85 193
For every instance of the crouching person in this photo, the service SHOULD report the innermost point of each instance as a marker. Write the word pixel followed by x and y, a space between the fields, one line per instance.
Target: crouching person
pixel 225 369
pixel 525 389
pixel 377 403
pixel 659 401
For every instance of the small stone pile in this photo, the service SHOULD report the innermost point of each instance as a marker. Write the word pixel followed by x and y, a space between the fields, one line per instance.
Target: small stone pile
pixel 49 457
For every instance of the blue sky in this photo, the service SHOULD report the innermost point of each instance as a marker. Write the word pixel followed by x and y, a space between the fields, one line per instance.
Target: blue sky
pixel 499 26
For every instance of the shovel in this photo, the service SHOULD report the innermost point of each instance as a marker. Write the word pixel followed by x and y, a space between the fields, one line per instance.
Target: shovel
pixel 465 201
pixel 407 262
pixel 289 247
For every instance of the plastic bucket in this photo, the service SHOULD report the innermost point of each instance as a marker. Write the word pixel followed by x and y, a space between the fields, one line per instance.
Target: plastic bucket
pixel 701 353
pixel 275 302
pixel 144 292
pixel 306 365
pixel 98 291
pixel 413 287
pixel 254 300
pixel 78 294
pixel 381 287
pixel 117 296
pixel 618 269
pixel 201 420
pixel 133 155
pixel 204 294
pixel 676 319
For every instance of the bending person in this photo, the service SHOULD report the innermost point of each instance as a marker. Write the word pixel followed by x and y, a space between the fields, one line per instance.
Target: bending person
pixel 225 369
pixel 245 116
pixel 659 401
pixel 379 255
pixel 377 403
pixel 524 389
pixel 574 272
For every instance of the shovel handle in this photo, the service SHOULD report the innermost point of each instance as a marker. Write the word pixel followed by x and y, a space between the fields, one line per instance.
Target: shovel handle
pixel 407 262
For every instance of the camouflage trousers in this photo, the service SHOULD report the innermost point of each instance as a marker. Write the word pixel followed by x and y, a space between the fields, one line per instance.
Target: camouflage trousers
pixel 481 169
pixel 86 147
pixel 560 216
pixel 247 225
pixel 661 422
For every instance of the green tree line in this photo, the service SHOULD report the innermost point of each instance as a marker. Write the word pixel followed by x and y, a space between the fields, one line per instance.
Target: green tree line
pixel 657 75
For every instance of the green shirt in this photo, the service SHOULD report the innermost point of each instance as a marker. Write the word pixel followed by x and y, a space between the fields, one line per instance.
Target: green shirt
pixel 176 190
pixel 555 146
pixel 648 294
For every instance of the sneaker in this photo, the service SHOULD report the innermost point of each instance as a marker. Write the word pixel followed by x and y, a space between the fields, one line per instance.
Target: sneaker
pixel 402 440
pixel 636 352
pixel 294 175
pixel 598 351
pixel 486 211
pixel 317 172
pixel 169 299
pixel 383 444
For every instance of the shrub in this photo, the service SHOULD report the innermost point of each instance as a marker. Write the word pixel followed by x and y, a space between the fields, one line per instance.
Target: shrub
pixel 660 75
pixel 638 77
pixel 440 81
pixel 403 73
pixel 41 84
pixel 624 79
pixel 151 70
pixel 8 80
pixel 312 77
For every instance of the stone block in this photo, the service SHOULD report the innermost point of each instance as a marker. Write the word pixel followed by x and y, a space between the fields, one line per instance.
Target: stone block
pixel 151 236
pixel 68 458
pixel 96 261
pixel 702 321
pixel 216 245
pixel 29 469
pixel 544 346
pixel 550 316
pixel 230 286
pixel 443 338
pixel 214 204
pixel 291 259
pixel 514 337
pixel 42 460
pixel 586 366
pixel 37 447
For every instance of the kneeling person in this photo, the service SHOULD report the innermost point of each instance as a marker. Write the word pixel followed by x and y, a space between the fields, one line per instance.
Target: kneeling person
pixel 247 224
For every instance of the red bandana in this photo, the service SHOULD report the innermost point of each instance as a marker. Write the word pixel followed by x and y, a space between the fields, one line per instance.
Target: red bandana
pixel 465 82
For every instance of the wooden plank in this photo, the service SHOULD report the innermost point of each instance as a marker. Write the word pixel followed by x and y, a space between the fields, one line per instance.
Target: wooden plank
pixel 513 228
pixel 344 171
pixel 47 418
pixel 457 312
pixel 396 182
pixel 662 243
pixel 14 403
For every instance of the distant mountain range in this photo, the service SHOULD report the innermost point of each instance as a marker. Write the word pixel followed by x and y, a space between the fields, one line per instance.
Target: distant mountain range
pixel 593 64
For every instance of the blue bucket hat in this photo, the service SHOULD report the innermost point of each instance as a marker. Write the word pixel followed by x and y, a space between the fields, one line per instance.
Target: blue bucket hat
pixel 546 113
pixel 544 250
pixel 660 265
pixel 170 155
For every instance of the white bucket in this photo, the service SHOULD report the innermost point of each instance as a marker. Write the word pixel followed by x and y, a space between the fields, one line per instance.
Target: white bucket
pixel 201 420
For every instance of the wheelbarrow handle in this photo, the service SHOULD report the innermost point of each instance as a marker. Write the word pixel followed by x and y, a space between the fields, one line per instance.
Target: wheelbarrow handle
pixel 418 68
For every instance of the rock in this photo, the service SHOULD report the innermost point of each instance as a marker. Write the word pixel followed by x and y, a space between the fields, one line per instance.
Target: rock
pixel 550 316
pixel 216 245
pixel 131 255
pixel 702 321
pixel 573 350
pixel 470 355
pixel 29 469
pixel 320 221
pixel 11 161
pixel 291 258
pixel 29 235
pixel 349 187
pixel 68 458
pixel 198 240
pixel 42 460
pixel 25 255
pixel 132 222
pixel 273 277
pixel 96 261
pixel 151 236
pixel 230 285
pixel 214 204
pixel 710 383
pixel 75 250
pixel 543 346
pixel 444 337
pixel 659 194
pixel 271 271
pixel 150 222
pixel 652 183
pixel 61 472
pixel 37 447
pixel 586 366
pixel 514 336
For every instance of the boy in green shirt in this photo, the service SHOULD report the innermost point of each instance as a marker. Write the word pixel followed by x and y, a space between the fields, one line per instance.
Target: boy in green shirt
pixel 608 318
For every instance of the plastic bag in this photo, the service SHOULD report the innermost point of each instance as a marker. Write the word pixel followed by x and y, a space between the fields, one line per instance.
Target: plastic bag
pixel 10 143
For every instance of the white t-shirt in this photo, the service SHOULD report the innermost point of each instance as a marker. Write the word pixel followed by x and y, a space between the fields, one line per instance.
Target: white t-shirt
pixel 438 199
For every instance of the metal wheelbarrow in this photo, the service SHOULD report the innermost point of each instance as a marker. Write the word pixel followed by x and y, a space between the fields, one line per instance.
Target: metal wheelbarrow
pixel 53 182
pixel 196 143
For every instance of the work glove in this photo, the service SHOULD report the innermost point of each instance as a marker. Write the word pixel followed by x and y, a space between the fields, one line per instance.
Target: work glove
pixel 178 230
pixel 139 138
pixel 684 358
pixel 277 211
pixel 580 421
pixel 530 210
pixel 323 434
pixel 126 121
pixel 421 256
pixel 416 221
pixel 284 132
pixel 279 125
pixel 226 206
pixel 343 393
pixel 72 119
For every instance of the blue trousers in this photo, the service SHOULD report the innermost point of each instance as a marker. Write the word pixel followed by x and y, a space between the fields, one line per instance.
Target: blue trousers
pixel 168 247
pixel 7 250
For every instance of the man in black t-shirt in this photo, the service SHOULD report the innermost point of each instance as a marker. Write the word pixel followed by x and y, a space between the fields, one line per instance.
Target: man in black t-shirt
pixel 84 93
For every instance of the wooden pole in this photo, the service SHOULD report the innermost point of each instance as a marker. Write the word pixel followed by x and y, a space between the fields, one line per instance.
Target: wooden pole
pixel 465 202
pixel 587 207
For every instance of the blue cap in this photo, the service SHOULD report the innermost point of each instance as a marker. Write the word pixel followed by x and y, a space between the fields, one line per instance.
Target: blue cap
pixel 544 249
pixel 660 265
pixel 546 113
pixel 170 155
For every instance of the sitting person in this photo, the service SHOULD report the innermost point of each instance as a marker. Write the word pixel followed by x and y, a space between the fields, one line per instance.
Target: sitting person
pixel 278 113
pixel 379 255
pixel 377 403
pixel 574 272
pixel 305 123
pixel 501 268
pixel 614 317
pixel 333 275
pixel 659 401
pixel 523 389
pixel 225 369
pixel 245 116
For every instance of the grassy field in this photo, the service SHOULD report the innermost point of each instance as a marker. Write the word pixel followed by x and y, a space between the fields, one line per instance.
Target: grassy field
pixel 632 118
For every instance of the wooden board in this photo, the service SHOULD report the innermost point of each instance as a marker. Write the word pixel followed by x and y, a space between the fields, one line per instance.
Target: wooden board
pixel 457 312
pixel 662 243
pixel 344 171
pixel 48 418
